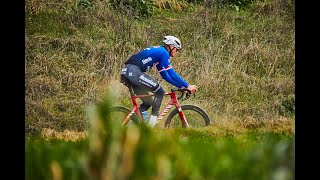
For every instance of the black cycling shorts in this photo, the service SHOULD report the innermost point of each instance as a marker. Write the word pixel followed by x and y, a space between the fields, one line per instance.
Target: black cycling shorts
pixel 140 79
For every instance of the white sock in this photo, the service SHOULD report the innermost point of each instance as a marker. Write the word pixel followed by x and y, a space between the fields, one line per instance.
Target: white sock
pixel 130 123
pixel 152 121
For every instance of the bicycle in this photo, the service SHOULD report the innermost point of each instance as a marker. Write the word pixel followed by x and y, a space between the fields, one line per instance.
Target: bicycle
pixel 196 116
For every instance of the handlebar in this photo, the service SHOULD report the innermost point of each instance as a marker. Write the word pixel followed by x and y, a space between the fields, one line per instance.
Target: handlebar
pixel 187 94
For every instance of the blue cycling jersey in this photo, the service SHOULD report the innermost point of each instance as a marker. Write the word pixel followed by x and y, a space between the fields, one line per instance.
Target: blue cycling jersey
pixel 158 56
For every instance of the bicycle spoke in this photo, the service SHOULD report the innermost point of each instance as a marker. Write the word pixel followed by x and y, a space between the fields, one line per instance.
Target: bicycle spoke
pixel 120 113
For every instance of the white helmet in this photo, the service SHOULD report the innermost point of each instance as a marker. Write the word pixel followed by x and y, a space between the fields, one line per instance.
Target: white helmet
pixel 172 40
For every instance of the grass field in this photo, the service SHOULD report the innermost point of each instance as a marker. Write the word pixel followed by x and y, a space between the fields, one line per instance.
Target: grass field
pixel 73 54
pixel 242 58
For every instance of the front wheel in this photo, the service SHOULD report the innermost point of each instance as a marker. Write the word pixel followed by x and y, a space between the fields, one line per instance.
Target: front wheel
pixel 196 117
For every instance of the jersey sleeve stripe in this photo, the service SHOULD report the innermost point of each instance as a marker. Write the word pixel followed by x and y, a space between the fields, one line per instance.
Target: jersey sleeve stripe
pixel 164 69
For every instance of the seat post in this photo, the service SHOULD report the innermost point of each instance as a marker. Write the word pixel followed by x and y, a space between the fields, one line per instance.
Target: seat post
pixel 131 90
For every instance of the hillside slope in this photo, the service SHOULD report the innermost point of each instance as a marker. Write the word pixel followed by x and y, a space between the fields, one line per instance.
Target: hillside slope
pixel 242 61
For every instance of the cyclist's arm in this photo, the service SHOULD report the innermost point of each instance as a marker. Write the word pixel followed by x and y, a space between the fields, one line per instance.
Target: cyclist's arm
pixel 167 72
pixel 170 76
pixel 177 78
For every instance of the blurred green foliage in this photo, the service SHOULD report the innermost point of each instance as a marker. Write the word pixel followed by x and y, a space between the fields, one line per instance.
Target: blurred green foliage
pixel 182 156
pixel 139 152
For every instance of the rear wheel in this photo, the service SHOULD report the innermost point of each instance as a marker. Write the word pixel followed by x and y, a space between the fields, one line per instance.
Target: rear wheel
pixel 196 117
pixel 120 113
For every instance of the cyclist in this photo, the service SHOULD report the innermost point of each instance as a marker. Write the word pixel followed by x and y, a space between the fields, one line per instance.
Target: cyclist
pixel 133 74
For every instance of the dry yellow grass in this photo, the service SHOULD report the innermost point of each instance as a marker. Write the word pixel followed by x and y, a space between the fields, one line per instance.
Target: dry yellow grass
pixel 172 4
pixel 73 56
pixel 224 126
pixel 66 135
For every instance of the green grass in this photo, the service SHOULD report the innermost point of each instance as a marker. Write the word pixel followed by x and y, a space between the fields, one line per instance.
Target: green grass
pixel 182 153
pixel 40 154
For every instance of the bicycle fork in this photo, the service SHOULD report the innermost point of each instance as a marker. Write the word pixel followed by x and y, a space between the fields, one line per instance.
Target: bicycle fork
pixel 182 116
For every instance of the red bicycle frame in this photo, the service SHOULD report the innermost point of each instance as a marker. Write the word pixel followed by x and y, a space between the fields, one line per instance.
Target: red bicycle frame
pixel 165 110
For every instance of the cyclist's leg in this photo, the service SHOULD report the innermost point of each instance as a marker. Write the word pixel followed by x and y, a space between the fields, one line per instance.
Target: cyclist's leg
pixel 146 101
pixel 147 83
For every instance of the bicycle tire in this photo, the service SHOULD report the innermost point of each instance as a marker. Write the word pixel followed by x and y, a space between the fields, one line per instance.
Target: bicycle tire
pixel 124 112
pixel 204 118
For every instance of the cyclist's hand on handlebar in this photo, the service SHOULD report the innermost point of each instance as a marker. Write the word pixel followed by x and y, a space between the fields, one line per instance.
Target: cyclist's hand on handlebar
pixel 192 88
